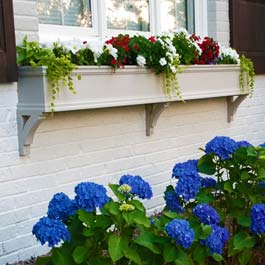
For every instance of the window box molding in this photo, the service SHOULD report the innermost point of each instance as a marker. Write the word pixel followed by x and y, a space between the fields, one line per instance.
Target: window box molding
pixel 102 88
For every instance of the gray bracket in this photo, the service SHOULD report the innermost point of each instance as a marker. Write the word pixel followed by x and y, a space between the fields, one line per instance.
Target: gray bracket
pixel 27 125
pixel 232 106
pixel 152 113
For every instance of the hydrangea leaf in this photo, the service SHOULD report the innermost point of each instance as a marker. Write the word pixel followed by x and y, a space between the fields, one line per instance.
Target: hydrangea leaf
pixel 182 258
pixel 244 175
pixel 138 205
pixel 206 165
pixel 116 246
pixel 115 188
pixel 199 254
pixel 146 239
pixel 170 253
pixel 204 197
pixel 244 221
pixel 85 217
pixel 244 257
pixel 217 257
pixel 80 254
pixel 228 187
pixel 43 261
pixel 206 231
pixel 132 255
pixel 61 256
pixel 242 241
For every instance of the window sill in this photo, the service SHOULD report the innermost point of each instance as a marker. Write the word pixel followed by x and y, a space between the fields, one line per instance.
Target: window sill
pixel 102 88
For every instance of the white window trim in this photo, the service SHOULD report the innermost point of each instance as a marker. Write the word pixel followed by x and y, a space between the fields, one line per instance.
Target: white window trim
pixel 50 33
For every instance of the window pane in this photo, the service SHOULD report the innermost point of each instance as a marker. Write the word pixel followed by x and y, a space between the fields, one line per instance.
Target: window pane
pixel 65 12
pixel 174 14
pixel 128 14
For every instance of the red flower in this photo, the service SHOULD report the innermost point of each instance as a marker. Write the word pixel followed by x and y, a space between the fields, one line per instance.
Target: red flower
pixel 126 48
pixel 136 47
pixel 152 39
pixel 113 61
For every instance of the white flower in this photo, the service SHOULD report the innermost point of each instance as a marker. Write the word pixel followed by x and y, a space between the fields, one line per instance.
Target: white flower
pixel 161 41
pixel 112 51
pixel 169 56
pixel 197 47
pixel 182 30
pixel 96 47
pixel 74 45
pixel 141 61
pixel 163 61
pixel 230 52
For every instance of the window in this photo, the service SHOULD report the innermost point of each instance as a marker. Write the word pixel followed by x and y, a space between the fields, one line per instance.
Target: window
pixel 8 71
pixel 103 18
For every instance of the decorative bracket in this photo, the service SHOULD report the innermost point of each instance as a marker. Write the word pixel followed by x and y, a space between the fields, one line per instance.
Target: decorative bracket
pixel 27 125
pixel 232 106
pixel 152 113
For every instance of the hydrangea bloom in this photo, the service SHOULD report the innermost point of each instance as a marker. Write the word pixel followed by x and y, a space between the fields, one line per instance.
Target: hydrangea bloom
pixel 257 216
pixel 189 180
pixel 51 231
pixel 221 146
pixel 243 144
pixel 208 183
pixel 61 207
pixel 181 232
pixel 138 186
pixel 188 187
pixel 172 202
pixel 206 214
pixel 186 168
pixel 262 184
pixel 90 195
pixel 217 239
pixel 262 145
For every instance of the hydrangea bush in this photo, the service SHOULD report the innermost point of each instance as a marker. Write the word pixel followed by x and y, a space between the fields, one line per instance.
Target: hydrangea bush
pixel 214 213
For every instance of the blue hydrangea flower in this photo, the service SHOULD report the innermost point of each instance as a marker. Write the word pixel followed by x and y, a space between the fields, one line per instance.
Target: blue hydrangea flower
pixel 217 239
pixel 221 146
pixel 181 232
pixel 262 145
pixel 51 231
pixel 61 207
pixel 90 195
pixel 257 216
pixel 173 202
pixel 189 180
pixel 206 214
pixel 139 187
pixel 243 144
pixel 261 184
pixel 188 168
pixel 208 183
pixel 188 187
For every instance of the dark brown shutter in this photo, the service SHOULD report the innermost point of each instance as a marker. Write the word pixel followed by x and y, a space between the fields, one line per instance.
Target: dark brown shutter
pixel 247 22
pixel 8 71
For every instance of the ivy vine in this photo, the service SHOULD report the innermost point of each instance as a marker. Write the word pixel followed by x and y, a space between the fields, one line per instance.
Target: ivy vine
pixel 247 73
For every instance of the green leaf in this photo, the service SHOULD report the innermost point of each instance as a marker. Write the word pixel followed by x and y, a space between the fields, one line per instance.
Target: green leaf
pixel 116 246
pixel 242 241
pixel 138 205
pixel 244 175
pixel 172 215
pixel 206 231
pixel 203 197
pixel 132 255
pixel 170 253
pixel 217 257
pixel 86 217
pixel 103 221
pixel 115 188
pixel 146 239
pixel 244 257
pixel 182 258
pixel 228 187
pixel 80 254
pixel 244 221
pixel 199 254
pixel 43 261
pixel 206 165
pixel 61 256
pixel 113 207
pixel 136 217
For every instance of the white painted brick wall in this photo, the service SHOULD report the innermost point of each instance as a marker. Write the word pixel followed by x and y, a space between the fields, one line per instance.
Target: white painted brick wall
pixel 101 145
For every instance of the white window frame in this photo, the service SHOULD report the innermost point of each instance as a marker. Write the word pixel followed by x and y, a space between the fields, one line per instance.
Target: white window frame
pixel 49 33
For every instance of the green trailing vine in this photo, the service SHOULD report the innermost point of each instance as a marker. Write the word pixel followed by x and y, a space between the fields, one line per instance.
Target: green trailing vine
pixel 59 68
pixel 247 73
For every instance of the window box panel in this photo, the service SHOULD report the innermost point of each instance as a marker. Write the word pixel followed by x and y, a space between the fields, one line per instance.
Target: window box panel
pixel 102 88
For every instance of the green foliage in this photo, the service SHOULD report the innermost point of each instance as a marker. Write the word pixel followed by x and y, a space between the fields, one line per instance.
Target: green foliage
pixel 247 73
pixel 58 63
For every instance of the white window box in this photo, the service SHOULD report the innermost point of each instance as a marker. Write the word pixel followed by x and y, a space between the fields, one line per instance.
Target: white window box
pixel 101 87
